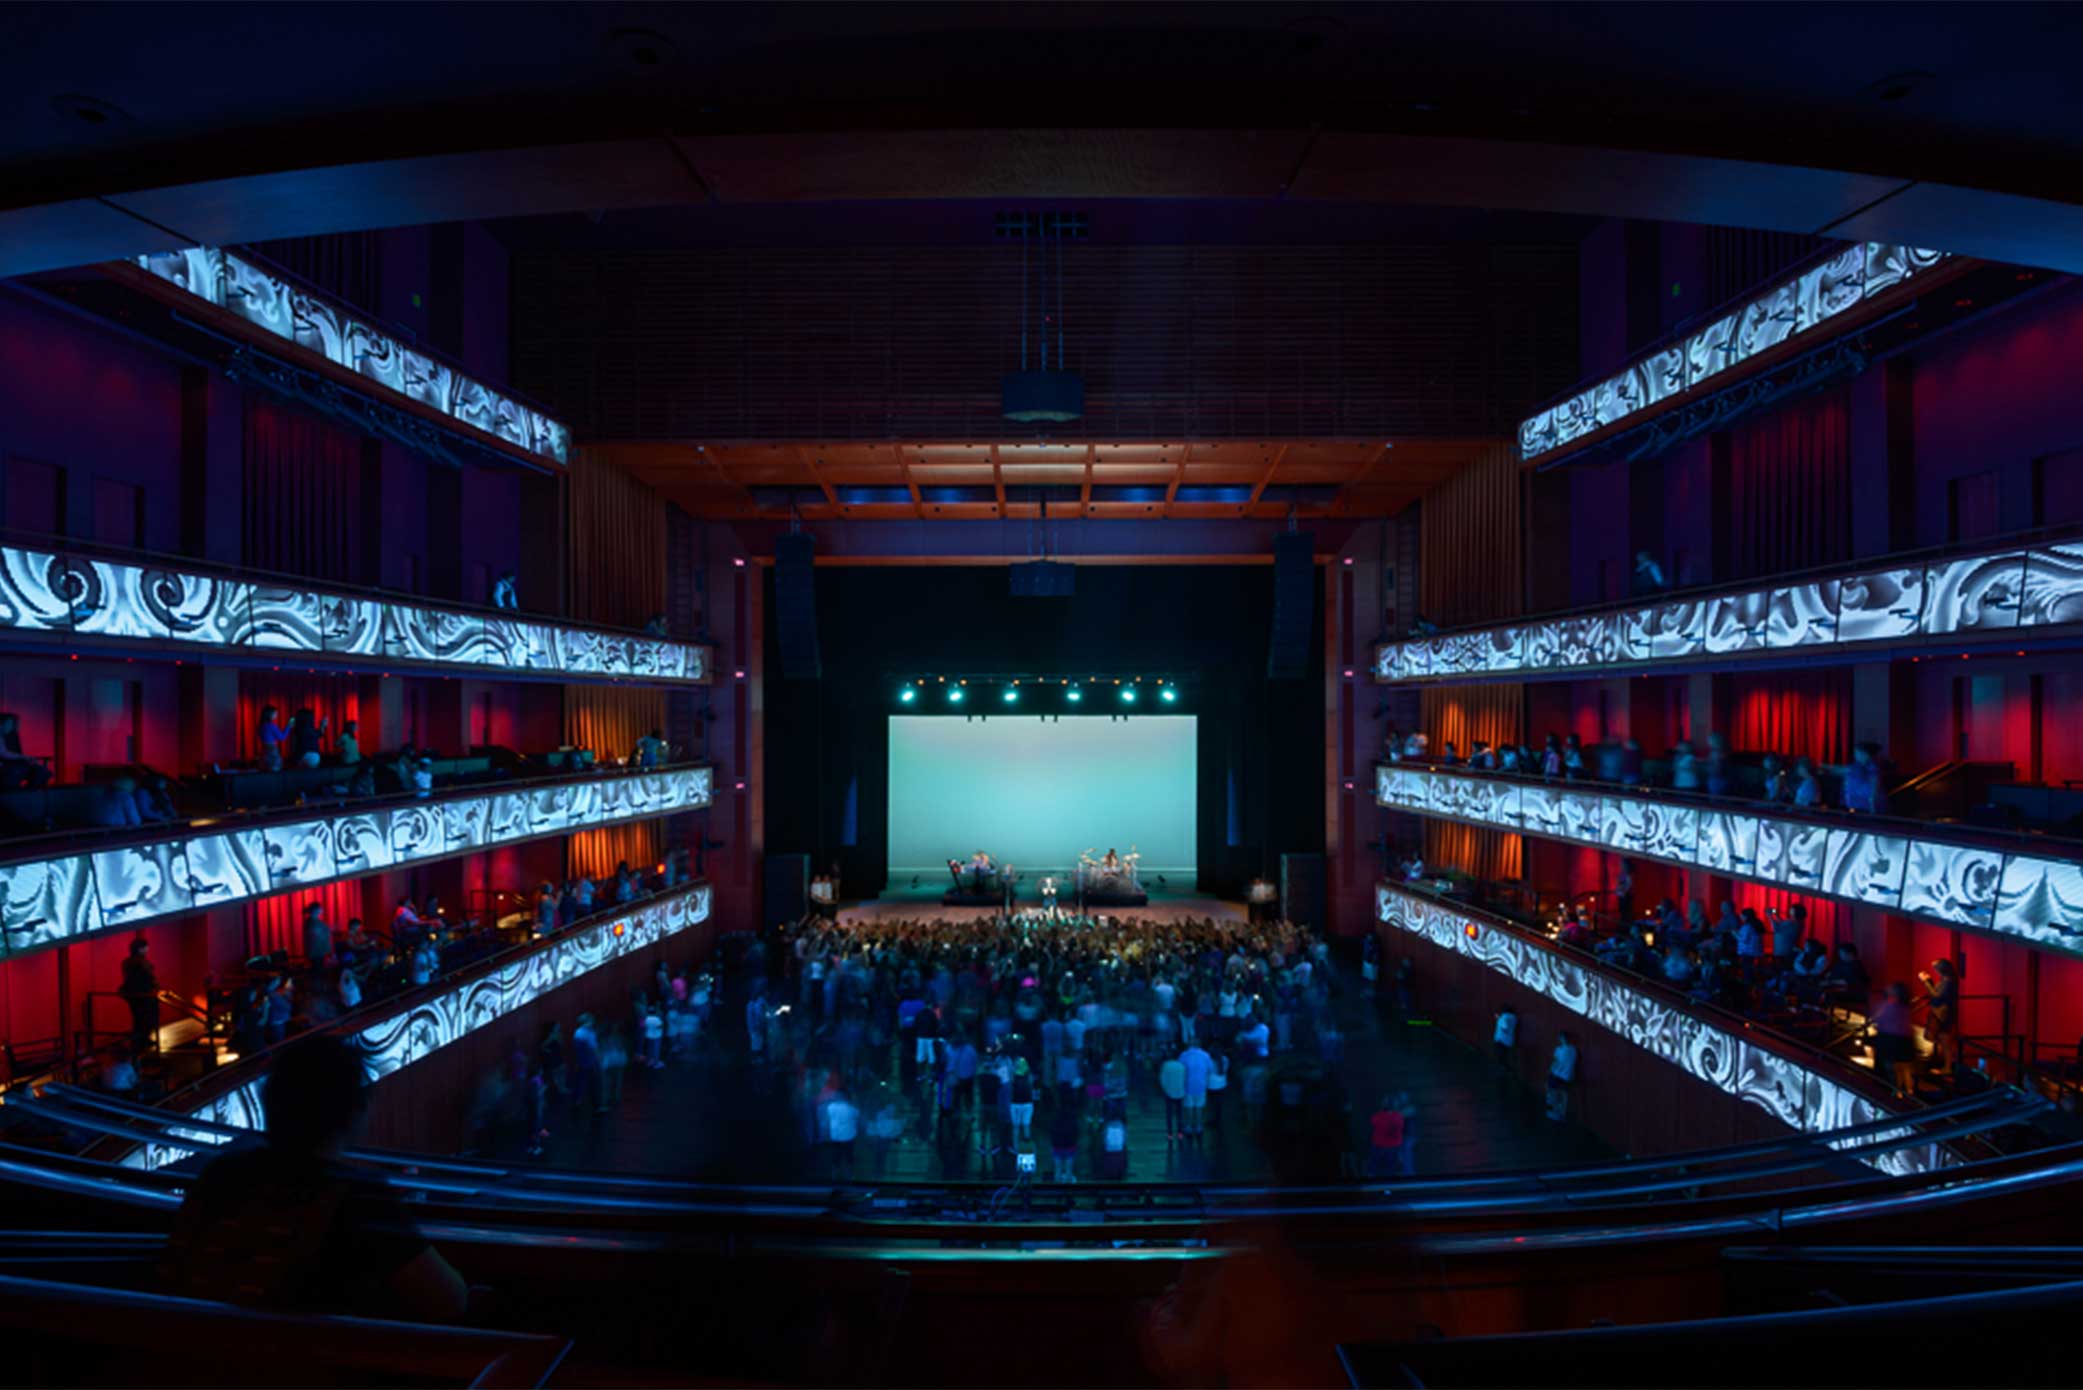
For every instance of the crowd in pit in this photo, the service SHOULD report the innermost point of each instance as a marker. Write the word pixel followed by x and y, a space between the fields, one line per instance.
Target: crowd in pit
pixel 1712 770
pixel 346 967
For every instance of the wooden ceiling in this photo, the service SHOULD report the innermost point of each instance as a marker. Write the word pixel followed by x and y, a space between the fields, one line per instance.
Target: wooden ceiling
pixel 971 480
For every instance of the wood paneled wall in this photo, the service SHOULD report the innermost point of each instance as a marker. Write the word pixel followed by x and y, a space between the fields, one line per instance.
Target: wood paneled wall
pixel 595 853
pixel 1471 570
pixel 617 546
pixel 1472 543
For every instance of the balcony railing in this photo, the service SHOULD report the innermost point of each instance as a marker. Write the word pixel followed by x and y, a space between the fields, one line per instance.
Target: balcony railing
pixel 403 1029
pixel 2008 885
pixel 49 900
pixel 1790 312
pixel 1806 1090
pixel 2025 588
pixel 91 596
pixel 280 307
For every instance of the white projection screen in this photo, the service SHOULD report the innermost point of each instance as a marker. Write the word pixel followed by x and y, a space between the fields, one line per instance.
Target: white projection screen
pixel 1036 793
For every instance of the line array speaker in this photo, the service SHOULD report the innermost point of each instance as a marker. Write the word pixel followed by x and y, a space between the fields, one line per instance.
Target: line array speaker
pixel 795 607
pixel 1294 605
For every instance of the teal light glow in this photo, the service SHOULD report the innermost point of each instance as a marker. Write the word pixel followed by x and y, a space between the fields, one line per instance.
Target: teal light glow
pixel 1128 694
pixel 1011 696
pixel 1076 694
pixel 907 695
pixel 1038 793
pixel 1168 695
pixel 954 694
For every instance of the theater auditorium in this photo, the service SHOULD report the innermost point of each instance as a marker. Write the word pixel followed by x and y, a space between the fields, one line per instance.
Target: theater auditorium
pixel 1039 695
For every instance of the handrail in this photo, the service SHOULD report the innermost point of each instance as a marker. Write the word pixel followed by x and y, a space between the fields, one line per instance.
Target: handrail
pixel 176 870
pixel 1678 619
pixel 84 590
pixel 152 1322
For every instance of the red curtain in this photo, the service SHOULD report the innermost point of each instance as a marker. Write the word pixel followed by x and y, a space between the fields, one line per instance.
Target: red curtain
pixel 328 697
pixel 1826 919
pixel 302 496
pixel 1790 488
pixel 1800 714
pixel 277 923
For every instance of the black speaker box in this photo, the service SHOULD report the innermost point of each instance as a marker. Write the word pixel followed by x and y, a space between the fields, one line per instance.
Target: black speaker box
pixel 795 607
pixel 788 888
pixel 1302 889
pixel 1294 605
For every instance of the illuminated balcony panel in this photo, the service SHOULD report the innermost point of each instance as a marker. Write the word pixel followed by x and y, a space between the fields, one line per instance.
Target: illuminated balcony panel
pixel 2038 587
pixel 1923 871
pixel 51 900
pixel 282 309
pixel 1800 305
pixel 47 593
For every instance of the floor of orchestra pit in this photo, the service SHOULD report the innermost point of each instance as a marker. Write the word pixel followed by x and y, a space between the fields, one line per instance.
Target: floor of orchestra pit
pixel 713 1117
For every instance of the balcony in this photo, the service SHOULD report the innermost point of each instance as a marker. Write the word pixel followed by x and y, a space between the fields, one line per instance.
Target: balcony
pixel 1836 293
pixel 1928 602
pixel 127 880
pixel 404 1029
pixel 1807 1090
pixel 2015 886
pixel 251 301
pixel 73 598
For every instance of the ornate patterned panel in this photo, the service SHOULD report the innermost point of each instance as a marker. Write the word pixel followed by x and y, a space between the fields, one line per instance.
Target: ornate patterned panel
pixel 1802 615
pixel 2042 899
pixel 227 867
pixel 1952 883
pixel 1866 868
pixel 1737 622
pixel 285 310
pixel 1880 605
pixel 1504 649
pixel 362 842
pixel 2053 586
pixel 1807 851
pixel 1728 842
pixel 1583 815
pixel 46 901
pixel 299 853
pixel 1974 595
pixel 141 881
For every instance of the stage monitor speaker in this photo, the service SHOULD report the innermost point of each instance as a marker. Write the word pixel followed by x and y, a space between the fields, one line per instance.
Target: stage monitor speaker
pixel 788 888
pixel 1302 889
pixel 795 607
pixel 1294 605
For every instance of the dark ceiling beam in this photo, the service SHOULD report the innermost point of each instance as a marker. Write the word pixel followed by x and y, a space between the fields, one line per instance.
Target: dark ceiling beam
pixel 969 164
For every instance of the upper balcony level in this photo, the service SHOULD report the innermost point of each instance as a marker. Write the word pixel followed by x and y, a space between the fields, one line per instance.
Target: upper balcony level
pixel 2027 592
pixel 86 884
pixel 251 301
pixel 76 599
pixel 1833 294
pixel 2023 887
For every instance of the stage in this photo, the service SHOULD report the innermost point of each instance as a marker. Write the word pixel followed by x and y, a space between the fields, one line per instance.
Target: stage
pixel 924 901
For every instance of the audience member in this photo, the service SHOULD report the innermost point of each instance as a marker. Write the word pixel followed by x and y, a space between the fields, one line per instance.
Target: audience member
pixel 289 1224
pixel 18 771
pixel 273 737
pixel 349 745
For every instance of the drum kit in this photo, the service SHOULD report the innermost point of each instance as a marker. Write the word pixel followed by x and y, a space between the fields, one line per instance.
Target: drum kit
pixel 1108 873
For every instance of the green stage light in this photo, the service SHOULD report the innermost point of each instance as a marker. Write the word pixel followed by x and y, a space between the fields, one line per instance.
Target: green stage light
pixel 907 695
pixel 1075 694
pixel 1128 694
pixel 1011 696
pixel 954 695
pixel 1168 695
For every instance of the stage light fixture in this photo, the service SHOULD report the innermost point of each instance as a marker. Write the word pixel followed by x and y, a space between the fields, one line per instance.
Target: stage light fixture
pixel 1011 696
pixel 1128 694
pixel 954 695
pixel 1074 694
pixel 1168 695
pixel 907 695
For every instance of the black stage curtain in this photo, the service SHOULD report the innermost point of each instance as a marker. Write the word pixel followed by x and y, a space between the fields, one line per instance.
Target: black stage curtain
pixel 827 741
